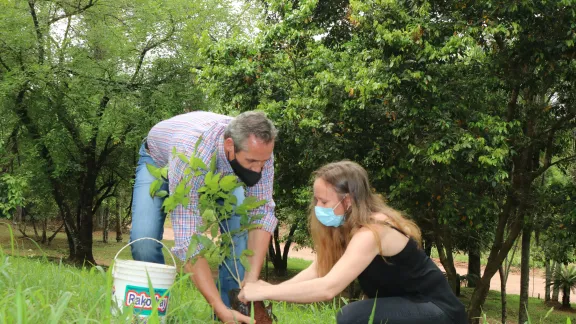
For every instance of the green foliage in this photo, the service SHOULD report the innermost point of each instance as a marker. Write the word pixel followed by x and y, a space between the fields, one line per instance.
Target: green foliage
pixel 565 278
pixel 12 193
pixel 81 83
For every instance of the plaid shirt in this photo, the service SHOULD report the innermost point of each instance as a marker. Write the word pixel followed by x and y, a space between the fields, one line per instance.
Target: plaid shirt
pixel 182 132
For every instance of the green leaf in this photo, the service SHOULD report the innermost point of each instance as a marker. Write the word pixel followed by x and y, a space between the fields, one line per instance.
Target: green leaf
pixel 164 172
pixel 208 215
pixel 154 171
pixel 162 193
pixel 213 163
pixel 154 187
pixel 214 230
pixel 248 252
pixel 183 157
pixel 197 144
pixel 205 241
pixel 208 179
pixel 244 262
pixel 192 246
pixel 211 181
pixel 252 202
pixel 371 318
pixel 229 182
pixel 197 163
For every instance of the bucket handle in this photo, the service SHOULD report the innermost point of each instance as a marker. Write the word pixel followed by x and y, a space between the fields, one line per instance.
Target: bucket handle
pixel 147 238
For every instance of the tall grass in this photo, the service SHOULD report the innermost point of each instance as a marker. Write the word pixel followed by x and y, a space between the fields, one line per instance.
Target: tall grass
pixel 36 290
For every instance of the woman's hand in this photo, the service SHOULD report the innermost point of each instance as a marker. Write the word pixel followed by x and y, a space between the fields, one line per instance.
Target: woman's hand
pixel 252 291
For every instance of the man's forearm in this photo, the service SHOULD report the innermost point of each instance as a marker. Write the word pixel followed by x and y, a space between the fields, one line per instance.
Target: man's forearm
pixel 201 276
pixel 258 241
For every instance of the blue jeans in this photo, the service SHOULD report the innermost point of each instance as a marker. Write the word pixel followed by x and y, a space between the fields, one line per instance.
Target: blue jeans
pixel 240 240
pixel 147 214
pixel 393 310
pixel 148 221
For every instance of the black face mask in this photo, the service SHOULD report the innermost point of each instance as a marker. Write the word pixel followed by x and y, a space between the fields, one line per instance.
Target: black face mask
pixel 249 177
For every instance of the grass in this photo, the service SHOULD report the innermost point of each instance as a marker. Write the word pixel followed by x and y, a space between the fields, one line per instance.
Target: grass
pixel 536 308
pixel 37 290
pixel 40 291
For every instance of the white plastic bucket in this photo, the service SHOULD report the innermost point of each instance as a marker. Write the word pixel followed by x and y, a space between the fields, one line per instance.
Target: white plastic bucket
pixel 130 284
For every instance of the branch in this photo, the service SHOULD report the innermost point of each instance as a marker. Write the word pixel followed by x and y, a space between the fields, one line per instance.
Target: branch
pixel 110 191
pixel 151 46
pixel 117 84
pixel 95 129
pixel 55 233
pixel 108 150
pixel 512 104
pixel 38 31
pixel 70 127
pixel 64 41
pixel 73 13
pixel 4 65
pixel 105 151
pixel 548 164
pixel 106 186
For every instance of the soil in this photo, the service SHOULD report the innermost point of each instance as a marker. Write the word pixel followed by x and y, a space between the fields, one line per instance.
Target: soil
pixel 537 277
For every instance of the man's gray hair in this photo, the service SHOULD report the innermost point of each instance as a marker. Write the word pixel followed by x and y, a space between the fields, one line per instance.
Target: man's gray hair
pixel 250 123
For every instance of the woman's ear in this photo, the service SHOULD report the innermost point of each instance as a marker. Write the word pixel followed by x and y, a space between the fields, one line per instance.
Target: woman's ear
pixel 347 202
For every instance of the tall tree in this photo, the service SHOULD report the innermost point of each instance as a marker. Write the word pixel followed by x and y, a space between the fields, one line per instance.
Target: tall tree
pixel 86 79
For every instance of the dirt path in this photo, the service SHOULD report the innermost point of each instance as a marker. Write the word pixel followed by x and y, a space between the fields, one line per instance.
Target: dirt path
pixel 537 280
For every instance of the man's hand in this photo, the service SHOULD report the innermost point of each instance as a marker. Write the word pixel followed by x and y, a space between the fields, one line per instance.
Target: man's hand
pixel 232 316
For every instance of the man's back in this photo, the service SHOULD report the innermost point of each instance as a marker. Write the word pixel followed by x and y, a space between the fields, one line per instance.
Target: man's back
pixel 182 132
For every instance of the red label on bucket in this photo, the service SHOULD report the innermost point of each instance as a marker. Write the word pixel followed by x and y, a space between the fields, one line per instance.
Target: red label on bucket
pixel 140 298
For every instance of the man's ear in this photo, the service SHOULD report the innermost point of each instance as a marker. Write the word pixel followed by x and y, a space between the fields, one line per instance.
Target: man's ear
pixel 229 148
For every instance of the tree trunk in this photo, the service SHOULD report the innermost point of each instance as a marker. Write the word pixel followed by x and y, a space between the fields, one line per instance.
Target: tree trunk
pixel 525 274
pixel 548 280
pixel 106 224
pixel 503 280
pixel 35 229
pixel 444 246
pixel 118 220
pixel 555 288
pixel 279 256
pixel 275 254
pixel 428 244
pixel 500 248
pixel 44 230
pixel 473 265
pixel 82 240
pixel 70 239
pixel 566 297
pixel 17 218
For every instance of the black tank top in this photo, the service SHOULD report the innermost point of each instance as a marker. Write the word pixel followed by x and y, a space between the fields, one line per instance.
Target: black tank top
pixel 411 273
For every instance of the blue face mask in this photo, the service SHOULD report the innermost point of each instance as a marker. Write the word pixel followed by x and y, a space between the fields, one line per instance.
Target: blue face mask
pixel 327 217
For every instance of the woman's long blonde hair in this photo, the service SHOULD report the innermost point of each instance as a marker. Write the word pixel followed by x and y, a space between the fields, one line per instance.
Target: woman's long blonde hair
pixel 350 178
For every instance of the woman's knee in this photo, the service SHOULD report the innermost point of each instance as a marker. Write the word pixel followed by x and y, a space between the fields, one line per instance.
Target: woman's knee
pixel 392 310
pixel 356 312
